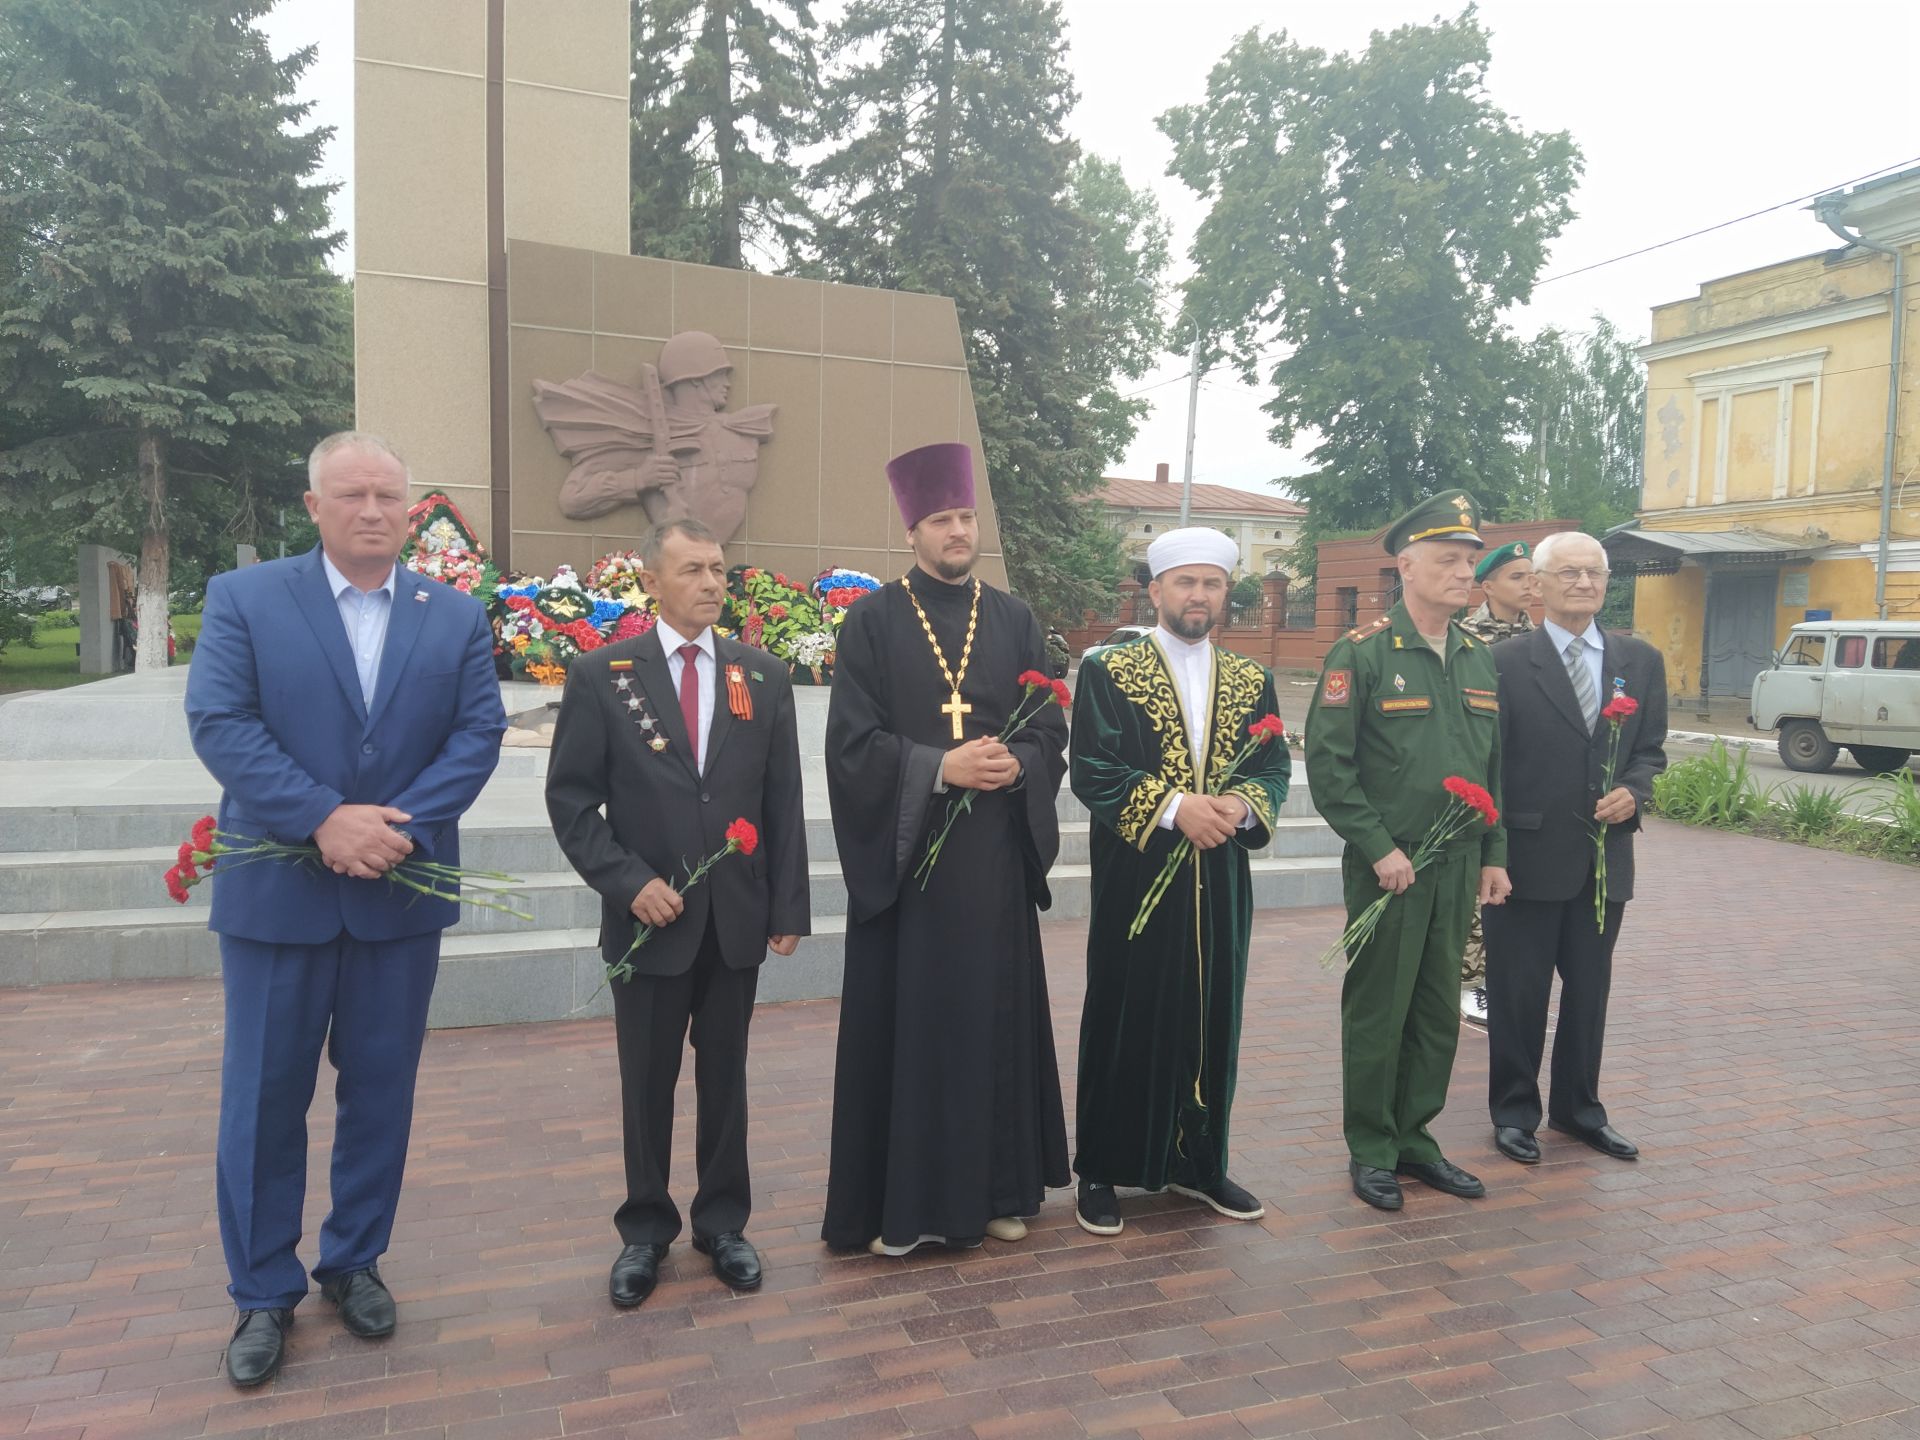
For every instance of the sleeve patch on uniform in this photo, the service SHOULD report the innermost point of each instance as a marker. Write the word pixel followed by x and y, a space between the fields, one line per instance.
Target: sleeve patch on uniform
pixel 1337 689
pixel 1409 705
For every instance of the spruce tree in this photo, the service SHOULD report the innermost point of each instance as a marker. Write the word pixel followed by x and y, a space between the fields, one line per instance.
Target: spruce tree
pixel 175 320
pixel 722 91
pixel 952 172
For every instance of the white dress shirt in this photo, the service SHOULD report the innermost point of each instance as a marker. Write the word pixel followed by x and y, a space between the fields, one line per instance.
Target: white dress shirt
pixel 1595 654
pixel 671 641
pixel 365 614
pixel 1191 662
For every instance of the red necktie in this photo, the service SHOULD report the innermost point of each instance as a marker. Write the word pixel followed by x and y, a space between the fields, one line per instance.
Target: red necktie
pixel 690 698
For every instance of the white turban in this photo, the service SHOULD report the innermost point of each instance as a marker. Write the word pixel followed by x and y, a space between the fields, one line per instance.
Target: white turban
pixel 1195 545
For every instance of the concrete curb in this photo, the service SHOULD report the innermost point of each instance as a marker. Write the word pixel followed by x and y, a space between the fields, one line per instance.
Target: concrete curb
pixel 1732 742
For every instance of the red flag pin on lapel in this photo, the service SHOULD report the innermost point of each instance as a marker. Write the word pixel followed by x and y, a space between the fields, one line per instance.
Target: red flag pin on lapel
pixel 420 597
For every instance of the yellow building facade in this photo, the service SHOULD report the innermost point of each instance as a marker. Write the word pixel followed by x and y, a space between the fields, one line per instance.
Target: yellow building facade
pixel 1767 414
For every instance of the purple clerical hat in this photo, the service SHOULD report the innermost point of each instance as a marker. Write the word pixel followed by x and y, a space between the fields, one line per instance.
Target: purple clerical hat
pixel 931 479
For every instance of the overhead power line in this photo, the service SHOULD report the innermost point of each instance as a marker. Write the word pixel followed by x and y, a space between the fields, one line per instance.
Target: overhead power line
pixel 1267 350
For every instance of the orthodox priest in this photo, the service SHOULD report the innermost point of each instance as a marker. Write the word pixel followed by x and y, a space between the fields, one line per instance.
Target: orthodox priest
pixel 1164 751
pixel 947 1120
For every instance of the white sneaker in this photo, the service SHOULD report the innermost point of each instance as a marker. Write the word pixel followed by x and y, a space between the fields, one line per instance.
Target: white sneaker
pixel 1007 1227
pixel 1473 1005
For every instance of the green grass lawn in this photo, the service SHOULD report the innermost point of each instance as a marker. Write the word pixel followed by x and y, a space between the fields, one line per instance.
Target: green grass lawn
pixel 55 661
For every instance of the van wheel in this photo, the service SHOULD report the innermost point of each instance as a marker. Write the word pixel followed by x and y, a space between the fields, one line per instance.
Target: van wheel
pixel 1804 746
pixel 1879 759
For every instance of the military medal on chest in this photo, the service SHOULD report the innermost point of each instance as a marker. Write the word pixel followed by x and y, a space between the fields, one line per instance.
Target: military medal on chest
pixel 955 708
pixel 634 702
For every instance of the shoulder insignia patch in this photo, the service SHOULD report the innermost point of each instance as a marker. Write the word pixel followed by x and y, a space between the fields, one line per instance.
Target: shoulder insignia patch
pixel 1337 688
pixel 1362 632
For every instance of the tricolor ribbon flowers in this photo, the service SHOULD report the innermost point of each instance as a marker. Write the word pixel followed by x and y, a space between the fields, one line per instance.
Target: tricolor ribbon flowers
pixel 742 839
pixel 1466 802
pixel 1032 683
pixel 1615 713
pixel 207 847
pixel 1260 733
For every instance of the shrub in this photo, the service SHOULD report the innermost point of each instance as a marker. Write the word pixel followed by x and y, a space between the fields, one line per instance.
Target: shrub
pixel 1711 789
pixel 1808 812
pixel 1899 808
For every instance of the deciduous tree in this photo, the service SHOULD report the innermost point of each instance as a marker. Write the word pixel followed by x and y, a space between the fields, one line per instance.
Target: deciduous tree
pixel 1370 218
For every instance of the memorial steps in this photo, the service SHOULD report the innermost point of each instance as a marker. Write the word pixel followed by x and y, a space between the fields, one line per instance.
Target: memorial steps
pixel 83 845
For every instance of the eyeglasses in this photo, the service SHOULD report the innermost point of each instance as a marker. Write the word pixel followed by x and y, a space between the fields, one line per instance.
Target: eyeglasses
pixel 1573 575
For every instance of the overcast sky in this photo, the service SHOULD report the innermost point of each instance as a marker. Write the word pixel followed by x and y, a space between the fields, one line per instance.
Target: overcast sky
pixel 1689 113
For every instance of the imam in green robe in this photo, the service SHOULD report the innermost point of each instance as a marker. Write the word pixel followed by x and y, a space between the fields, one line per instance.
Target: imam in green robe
pixel 1160 1030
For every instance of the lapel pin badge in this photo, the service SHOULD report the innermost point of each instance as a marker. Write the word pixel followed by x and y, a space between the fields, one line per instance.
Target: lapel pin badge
pixel 420 597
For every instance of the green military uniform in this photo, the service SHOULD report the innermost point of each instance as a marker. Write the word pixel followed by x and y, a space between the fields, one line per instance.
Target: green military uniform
pixel 1481 623
pixel 1391 720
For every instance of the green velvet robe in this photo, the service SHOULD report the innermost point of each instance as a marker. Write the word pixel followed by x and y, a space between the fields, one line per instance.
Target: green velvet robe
pixel 1160 1031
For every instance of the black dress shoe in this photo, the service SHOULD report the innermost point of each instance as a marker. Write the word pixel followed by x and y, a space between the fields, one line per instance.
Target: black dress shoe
pixel 1231 1200
pixel 1606 1139
pixel 735 1260
pixel 365 1303
pixel 1446 1176
pixel 1375 1186
pixel 635 1274
pixel 258 1346
pixel 1516 1144
pixel 1097 1209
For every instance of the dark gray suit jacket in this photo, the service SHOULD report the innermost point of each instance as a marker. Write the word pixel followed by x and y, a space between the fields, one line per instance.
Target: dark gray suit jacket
pixel 662 815
pixel 1552 769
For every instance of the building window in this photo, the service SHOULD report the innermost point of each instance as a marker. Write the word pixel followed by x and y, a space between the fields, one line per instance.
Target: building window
pixel 1147 529
pixel 1349 607
pixel 1756 429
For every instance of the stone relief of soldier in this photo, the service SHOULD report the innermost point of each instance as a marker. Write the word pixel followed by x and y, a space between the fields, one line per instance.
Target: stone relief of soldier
pixel 668 444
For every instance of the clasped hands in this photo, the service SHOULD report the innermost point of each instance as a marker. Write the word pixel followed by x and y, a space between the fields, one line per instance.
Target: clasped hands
pixel 1209 821
pixel 658 904
pixel 359 841
pixel 983 764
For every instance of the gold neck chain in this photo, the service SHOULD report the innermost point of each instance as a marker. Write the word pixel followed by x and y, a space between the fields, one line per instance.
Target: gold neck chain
pixel 956 707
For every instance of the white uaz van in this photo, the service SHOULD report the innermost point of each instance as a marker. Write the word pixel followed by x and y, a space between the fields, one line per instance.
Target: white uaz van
pixel 1844 682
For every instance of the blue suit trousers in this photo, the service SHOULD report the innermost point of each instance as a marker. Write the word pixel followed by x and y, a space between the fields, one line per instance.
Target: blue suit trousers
pixel 366 1003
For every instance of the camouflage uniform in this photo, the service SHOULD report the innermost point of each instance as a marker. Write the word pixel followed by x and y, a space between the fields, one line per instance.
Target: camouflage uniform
pixel 1473 965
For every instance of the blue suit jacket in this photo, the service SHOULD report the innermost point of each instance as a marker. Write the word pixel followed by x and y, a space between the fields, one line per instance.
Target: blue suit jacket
pixel 273 704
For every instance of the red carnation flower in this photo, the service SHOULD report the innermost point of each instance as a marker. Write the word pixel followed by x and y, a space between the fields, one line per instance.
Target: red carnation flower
pixel 782 580
pixel 203 833
pixel 1034 680
pixel 777 611
pixel 1619 708
pixel 742 836
pixel 1473 796
pixel 750 574
pixel 1266 729
pixel 185 856
pixel 176 887
pixel 1062 696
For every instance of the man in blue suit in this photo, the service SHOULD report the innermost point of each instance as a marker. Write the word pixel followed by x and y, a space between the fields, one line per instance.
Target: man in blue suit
pixel 339 699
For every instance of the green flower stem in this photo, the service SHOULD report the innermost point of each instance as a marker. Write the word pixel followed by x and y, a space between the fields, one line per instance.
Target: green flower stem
pixel 1452 823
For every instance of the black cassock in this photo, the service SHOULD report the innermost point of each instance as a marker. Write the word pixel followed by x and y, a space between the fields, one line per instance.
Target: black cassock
pixel 946 1095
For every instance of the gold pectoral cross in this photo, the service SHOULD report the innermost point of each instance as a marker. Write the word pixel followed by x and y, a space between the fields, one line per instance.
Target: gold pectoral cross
pixel 956 707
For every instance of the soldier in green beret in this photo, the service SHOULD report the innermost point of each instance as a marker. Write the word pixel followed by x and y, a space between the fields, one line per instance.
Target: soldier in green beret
pixel 1506 579
pixel 1403 704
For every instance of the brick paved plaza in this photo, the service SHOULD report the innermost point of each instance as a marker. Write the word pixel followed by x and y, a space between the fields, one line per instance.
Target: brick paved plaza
pixel 1757 1273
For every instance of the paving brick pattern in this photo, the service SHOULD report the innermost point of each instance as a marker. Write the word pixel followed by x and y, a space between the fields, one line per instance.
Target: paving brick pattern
pixel 1757 1274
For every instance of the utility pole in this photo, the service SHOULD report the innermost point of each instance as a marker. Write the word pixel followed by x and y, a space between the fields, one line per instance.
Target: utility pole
pixel 1193 405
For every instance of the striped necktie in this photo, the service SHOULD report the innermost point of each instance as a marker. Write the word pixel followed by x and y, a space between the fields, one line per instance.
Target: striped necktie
pixel 1582 678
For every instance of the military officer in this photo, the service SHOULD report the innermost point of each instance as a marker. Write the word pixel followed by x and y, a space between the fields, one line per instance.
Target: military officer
pixel 1506 579
pixel 1403 704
